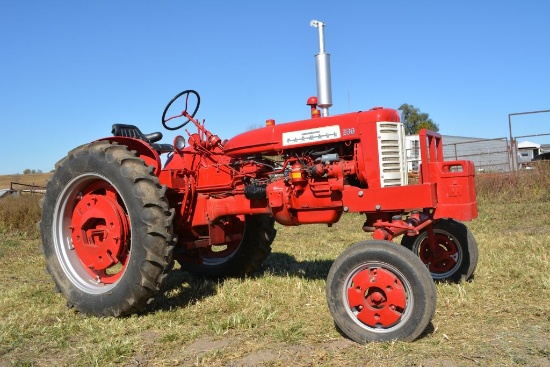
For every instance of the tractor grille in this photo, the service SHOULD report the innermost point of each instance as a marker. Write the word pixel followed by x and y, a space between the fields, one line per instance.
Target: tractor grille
pixel 392 159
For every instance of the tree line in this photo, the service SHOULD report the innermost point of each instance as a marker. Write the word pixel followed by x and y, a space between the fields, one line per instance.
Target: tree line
pixel 29 171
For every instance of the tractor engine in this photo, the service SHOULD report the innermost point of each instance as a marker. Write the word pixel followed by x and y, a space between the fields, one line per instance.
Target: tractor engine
pixel 319 158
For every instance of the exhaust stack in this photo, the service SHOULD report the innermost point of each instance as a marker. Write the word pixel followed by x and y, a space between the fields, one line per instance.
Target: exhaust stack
pixel 322 66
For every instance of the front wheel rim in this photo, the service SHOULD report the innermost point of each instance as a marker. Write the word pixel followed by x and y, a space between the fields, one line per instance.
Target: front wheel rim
pixel 445 260
pixel 91 233
pixel 378 297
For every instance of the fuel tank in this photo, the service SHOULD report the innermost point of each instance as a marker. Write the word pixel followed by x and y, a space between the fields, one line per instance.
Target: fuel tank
pixel 277 138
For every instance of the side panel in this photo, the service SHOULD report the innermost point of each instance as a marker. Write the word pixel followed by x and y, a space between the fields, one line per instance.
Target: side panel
pixel 390 199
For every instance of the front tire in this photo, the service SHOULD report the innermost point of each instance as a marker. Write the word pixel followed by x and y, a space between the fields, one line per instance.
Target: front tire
pixel 106 230
pixel 378 291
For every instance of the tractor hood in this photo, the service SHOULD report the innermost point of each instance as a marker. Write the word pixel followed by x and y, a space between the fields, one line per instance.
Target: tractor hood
pixel 276 138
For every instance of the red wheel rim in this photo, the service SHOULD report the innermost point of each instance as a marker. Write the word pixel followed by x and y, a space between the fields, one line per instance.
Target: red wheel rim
pixel 377 297
pixel 99 231
pixel 443 258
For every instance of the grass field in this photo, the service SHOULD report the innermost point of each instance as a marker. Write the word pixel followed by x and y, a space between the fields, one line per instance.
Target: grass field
pixel 279 316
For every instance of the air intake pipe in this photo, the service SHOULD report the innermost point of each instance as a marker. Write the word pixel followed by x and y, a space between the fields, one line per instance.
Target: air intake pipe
pixel 322 65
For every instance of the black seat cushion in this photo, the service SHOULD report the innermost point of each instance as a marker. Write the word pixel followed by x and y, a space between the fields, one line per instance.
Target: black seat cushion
pixel 132 131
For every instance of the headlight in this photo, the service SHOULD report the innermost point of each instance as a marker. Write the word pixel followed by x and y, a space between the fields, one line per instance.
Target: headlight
pixel 179 143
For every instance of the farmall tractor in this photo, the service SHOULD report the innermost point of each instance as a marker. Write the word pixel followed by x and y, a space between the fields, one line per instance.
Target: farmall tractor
pixel 114 218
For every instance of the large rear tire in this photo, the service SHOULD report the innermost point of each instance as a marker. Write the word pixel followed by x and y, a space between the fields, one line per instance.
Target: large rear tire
pixel 456 255
pixel 379 291
pixel 106 230
pixel 237 258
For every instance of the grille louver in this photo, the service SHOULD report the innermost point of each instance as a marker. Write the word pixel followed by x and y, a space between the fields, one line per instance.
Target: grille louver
pixel 391 148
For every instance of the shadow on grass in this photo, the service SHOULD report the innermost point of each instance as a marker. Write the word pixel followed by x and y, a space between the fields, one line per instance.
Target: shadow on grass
pixel 183 289
pixel 285 265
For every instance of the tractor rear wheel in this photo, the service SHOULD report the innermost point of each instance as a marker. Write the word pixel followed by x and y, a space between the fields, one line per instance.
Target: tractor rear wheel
pixel 106 230
pixel 456 254
pixel 244 255
pixel 379 291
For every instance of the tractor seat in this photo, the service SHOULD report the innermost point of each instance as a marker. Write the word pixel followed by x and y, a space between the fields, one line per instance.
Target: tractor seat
pixel 132 131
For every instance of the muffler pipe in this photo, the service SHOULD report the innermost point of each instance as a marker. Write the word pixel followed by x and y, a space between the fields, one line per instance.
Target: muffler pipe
pixel 322 66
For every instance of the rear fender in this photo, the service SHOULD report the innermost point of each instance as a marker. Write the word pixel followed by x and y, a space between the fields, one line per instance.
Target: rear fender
pixel 143 150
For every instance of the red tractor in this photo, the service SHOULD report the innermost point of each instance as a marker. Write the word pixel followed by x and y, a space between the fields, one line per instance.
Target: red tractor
pixel 114 218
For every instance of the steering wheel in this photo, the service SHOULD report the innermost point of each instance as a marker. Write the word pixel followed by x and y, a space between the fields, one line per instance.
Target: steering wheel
pixel 185 93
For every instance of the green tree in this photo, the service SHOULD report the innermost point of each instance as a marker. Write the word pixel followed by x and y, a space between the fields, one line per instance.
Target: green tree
pixel 415 120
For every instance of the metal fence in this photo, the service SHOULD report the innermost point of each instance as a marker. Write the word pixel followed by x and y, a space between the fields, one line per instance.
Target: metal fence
pixel 488 155
pixel 17 188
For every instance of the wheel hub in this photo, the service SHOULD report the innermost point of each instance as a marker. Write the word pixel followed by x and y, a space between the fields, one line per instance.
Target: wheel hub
pixel 378 297
pixel 443 257
pixel 98 232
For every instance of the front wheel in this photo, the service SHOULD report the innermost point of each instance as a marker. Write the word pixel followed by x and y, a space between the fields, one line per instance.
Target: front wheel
pixel 378 291
pixel 455 255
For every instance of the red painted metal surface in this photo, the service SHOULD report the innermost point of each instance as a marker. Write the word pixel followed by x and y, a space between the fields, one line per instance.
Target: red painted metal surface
pixel 456 196
pixel 271 139
pixel 377 297
pixel 99 230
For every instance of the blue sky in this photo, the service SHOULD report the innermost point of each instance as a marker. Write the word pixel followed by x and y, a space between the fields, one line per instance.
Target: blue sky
pixel 70 69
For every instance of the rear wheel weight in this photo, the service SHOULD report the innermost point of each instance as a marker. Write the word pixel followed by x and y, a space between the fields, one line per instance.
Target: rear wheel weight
pixel 101 199
pixel 377 291
pixel 456 255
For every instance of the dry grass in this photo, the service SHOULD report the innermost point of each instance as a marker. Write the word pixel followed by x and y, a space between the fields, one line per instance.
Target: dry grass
pixel 279 317
pixel 515 187
pixel 19 215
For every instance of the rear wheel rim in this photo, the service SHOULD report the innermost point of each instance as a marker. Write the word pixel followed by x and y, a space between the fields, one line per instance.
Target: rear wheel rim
pixel 91 233
pixel 378 297
pixel 220 254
